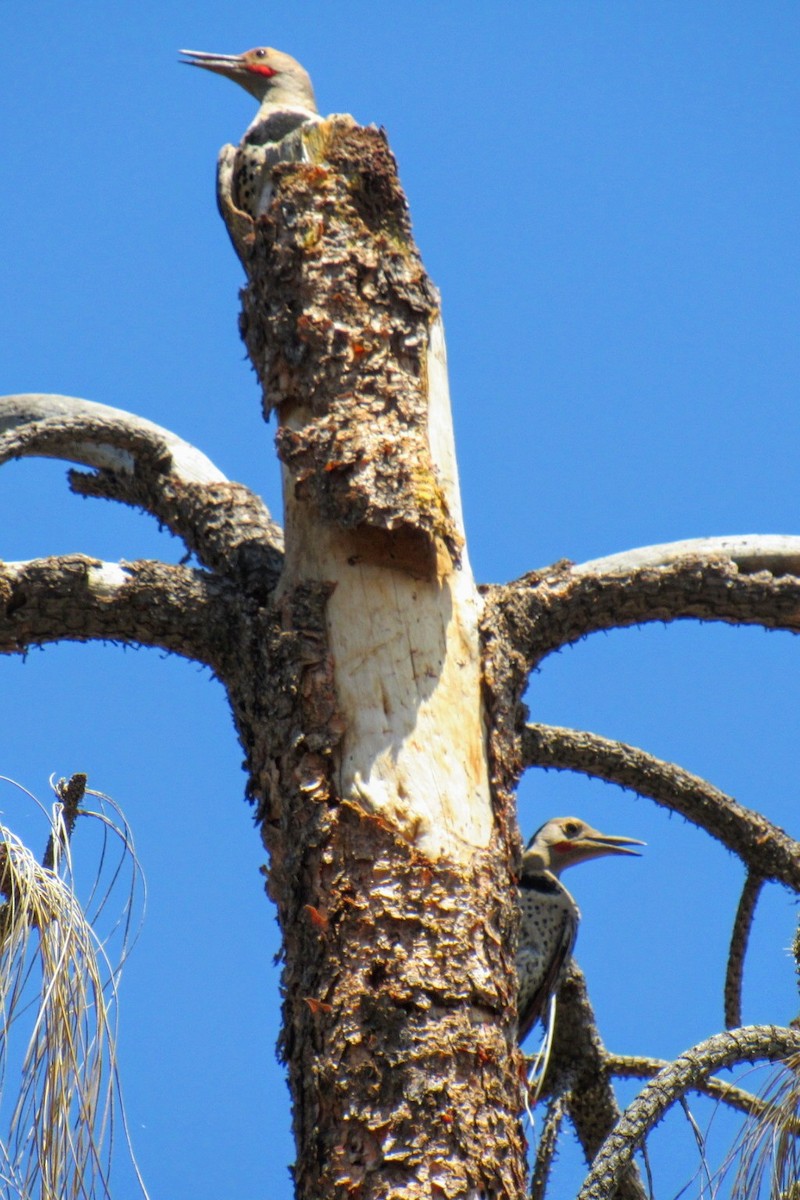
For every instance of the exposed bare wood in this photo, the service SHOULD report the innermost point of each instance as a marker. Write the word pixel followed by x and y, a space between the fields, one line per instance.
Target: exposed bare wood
pixel 365 730
pixel 778 553
pixel 407 669
pixel 141 464
pixel 97 435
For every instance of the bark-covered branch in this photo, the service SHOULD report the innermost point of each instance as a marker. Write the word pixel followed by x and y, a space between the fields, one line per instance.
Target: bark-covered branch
pixel 751 1043
pixel 744 580
pixel 640 1066
pixel 740 936
pixel 556 606
pixel 546 1148
pixel 76 598
pixel 765 848
pixel 139 463
pixel 579 1069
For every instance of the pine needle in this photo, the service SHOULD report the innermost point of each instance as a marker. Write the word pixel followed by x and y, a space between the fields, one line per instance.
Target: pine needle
pixel 55 973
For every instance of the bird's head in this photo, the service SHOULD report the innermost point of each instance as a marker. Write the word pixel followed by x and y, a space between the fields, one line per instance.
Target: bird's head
pixel 266 73
pixel 564 841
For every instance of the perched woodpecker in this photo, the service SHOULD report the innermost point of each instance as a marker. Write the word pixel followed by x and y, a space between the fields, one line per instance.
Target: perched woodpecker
pixel 549 915
pixel 287 105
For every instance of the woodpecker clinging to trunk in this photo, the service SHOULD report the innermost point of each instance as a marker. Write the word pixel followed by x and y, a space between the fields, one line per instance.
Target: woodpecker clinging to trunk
pixel 287 106
pixel 549 915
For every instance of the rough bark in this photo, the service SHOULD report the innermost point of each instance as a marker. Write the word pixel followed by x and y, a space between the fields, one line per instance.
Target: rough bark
pixel 740 936
pixel 378 696
pixel 77 598
pixel 580 1072
pixel 749 1044
pixel 554 607
pixel 136 462
pixel 363 721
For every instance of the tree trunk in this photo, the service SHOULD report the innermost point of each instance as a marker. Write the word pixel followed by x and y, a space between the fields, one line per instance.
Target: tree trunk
pixel 361 708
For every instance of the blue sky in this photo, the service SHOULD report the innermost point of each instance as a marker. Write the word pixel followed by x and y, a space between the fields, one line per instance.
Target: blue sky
pixel 607 196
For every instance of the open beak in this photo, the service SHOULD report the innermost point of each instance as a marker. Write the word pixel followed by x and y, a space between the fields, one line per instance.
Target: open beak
pixel 223 64
pixel 590 843
pixel 593 842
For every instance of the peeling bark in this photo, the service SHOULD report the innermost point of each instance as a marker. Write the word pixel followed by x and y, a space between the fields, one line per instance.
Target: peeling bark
pixel 365 729
pixel 378 697
pixel 338 317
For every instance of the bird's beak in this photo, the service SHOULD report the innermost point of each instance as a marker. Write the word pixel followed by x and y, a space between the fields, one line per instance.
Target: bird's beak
pixel 223 64
pixel 593 843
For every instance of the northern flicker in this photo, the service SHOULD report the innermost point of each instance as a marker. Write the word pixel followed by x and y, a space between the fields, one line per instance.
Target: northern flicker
pixel 549 915
pixel 287 106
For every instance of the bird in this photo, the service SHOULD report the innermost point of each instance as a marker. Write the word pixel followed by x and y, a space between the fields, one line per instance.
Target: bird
pixel 549 916
pixel 287 105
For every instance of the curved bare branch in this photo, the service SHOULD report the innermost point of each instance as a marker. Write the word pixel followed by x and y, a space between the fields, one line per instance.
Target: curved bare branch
pixel 76 598
pixel 740 936
pixel 547 609
pixel 751 552
pixel 142 464
pixel 639 1066
pixel 748 1044
pixel 96 435
pixel 762 846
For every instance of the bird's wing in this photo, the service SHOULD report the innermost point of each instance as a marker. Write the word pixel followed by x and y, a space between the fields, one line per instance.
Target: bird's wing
pixel 536 1003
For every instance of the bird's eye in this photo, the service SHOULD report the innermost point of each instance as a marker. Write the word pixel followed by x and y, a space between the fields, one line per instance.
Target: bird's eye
pixel 260 53
pixel 571 828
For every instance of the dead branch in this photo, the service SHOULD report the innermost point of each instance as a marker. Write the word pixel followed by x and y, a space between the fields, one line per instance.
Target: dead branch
pixel 141 464
pixel 751 552
pixel 526 620
pixel 639 1066
pixel 76 598
pixel 765 849
pixel 554 607
pixel 96 435
pixel 579 1069
pixel 740 936
pixel 751 1043
pixel 546 1148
